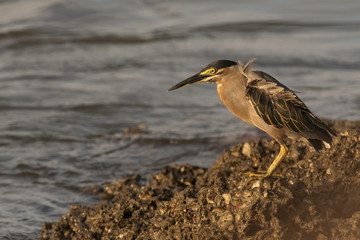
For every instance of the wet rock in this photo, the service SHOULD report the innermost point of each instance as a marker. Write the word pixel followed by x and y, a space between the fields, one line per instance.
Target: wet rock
pixel 141 128
pixel 246 150
pixel 318 198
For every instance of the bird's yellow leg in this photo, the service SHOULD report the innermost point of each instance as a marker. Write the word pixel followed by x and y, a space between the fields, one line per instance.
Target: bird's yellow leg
pixel 263 174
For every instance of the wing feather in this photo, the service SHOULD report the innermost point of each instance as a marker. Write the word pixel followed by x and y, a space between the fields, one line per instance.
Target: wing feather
pixel 278 106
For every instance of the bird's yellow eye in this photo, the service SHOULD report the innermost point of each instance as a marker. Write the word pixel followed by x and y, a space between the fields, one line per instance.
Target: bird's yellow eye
pixel 212 70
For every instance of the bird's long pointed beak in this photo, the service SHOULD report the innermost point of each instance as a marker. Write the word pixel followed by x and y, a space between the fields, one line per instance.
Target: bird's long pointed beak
pixel 193 79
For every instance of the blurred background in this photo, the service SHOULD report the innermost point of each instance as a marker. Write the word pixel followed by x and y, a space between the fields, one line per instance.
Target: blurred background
pixel 83 88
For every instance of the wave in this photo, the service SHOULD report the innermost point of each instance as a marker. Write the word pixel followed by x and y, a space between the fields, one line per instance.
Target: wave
pixel 35 37
pixel 81 107
pixel 276 26
pixel 24 38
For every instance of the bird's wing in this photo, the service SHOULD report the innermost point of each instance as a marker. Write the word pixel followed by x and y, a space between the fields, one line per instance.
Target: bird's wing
pixel 277 105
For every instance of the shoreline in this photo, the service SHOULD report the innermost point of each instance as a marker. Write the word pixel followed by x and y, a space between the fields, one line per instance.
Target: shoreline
pixel 318 198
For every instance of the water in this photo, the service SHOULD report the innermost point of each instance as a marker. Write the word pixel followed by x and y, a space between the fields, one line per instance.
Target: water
pixel 75 75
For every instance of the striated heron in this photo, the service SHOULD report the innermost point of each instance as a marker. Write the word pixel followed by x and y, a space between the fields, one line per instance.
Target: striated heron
pixel 262 101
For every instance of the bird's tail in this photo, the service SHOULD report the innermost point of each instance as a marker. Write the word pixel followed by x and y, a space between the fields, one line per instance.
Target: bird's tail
pixel 323 134
pixel 317 144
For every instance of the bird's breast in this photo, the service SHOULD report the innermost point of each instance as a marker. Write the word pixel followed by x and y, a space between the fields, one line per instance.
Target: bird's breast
pixel 232 95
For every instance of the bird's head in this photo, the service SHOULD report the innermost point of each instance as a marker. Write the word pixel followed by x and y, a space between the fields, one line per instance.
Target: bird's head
pixel 211 73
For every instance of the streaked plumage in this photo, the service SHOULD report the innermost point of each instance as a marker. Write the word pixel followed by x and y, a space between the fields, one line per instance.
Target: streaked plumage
pixel 260 100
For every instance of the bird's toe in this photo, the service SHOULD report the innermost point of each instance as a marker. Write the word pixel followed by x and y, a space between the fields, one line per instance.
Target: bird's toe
pixel 262 174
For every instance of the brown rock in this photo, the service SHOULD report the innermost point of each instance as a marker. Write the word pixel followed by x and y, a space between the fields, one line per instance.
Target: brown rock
pixel 318 198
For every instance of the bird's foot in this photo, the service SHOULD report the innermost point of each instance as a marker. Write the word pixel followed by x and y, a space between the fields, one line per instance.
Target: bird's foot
pixel 262 174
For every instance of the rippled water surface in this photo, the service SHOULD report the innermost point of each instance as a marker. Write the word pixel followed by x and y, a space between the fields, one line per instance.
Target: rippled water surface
pixel 74 75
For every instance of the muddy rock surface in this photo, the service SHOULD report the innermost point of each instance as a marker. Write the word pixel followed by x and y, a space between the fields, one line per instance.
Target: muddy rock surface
pixel 317 198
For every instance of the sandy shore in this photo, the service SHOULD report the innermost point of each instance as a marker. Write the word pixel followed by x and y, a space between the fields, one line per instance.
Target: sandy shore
pixel 318 198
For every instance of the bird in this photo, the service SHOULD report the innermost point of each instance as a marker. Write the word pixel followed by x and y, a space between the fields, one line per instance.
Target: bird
pixel 262 101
